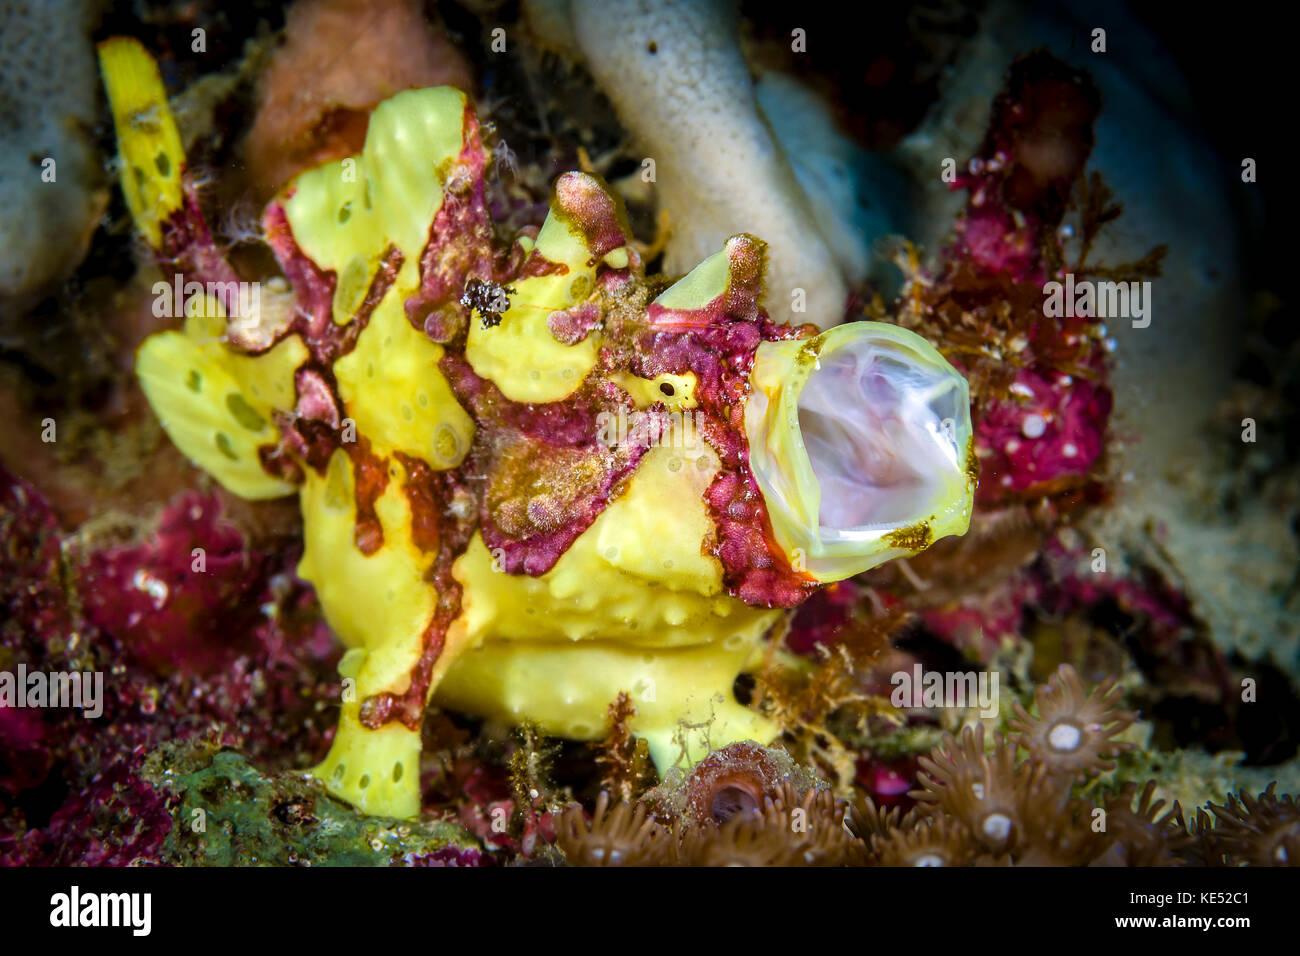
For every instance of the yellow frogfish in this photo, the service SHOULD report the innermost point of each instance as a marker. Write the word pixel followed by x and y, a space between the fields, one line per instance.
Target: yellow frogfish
pixel 531 476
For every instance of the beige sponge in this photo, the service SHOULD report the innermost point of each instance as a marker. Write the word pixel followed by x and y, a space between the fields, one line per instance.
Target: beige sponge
pixel 675 73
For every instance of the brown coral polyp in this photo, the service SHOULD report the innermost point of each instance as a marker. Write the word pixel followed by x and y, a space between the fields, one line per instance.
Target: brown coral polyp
pixel 1074 731
pixel 980 789
pixel 622 836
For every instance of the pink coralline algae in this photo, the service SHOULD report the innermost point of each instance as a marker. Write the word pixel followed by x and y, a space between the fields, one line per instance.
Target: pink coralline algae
pixel 160 597
pixel 1041 403
pixel 1034 151
pixel 235 651
pixel 1044 427
pixel 1053 431
pixel 980 627
pixel 115 819
pixel 489 812
pixel 449 857
pixel 824 617
pixel 887 782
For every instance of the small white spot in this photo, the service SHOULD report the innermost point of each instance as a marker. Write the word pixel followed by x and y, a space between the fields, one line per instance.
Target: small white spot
pixel 1033 426
pixel 997 826
pixel 1070 450
pixel 142 580
pixel 1064 737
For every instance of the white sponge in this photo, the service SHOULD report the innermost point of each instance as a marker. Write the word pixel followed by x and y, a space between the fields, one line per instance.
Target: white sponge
pixel 51 183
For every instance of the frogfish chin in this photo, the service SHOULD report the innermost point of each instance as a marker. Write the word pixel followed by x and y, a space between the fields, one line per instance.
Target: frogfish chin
pixel 531 477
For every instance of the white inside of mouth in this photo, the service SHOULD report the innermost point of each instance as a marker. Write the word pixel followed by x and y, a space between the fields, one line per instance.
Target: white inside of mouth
pixel 879 425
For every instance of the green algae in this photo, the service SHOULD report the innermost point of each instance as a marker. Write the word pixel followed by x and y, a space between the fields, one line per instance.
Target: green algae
pixel 226 812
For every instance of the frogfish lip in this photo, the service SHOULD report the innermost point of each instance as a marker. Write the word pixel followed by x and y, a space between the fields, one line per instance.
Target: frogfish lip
pixel 861 442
